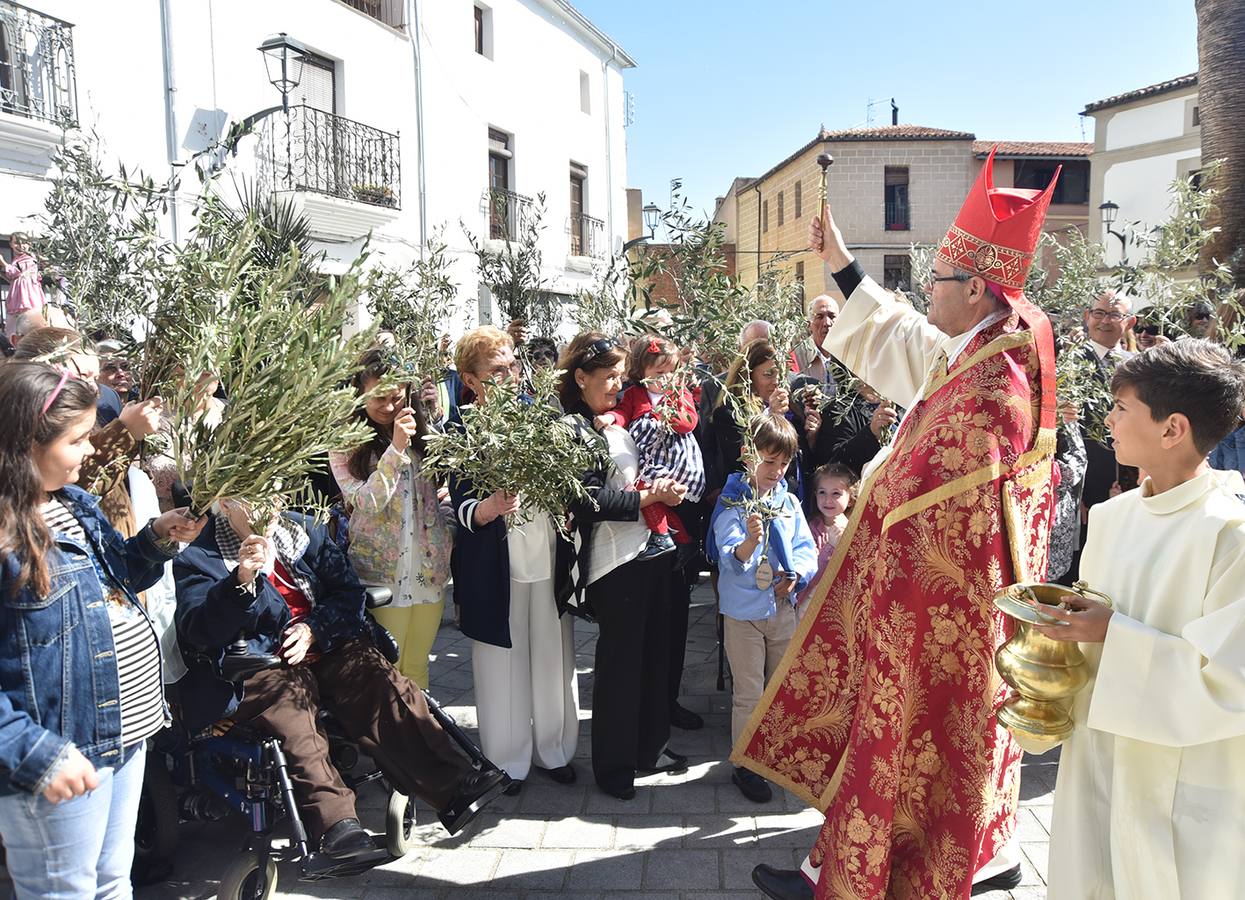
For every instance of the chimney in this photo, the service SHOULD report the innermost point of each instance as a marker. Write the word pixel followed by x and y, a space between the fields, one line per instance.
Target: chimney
pixel 894 112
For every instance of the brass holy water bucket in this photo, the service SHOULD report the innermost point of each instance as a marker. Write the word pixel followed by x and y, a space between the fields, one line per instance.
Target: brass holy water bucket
pixel 1044 674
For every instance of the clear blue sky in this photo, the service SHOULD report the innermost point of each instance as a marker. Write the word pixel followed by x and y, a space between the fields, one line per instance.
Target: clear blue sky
pixel 731 87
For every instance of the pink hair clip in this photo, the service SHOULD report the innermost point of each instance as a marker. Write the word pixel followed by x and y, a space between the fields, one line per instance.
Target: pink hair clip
pixel 654 345
pixel 56 391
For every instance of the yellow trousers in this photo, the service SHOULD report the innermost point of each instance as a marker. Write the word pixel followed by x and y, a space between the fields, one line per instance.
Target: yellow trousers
pixel 414 628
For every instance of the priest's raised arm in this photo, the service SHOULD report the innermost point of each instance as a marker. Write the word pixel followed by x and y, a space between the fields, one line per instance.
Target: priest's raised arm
pixel 885 343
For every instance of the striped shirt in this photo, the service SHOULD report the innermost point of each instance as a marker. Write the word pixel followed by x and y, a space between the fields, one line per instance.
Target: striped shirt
pixel 134 643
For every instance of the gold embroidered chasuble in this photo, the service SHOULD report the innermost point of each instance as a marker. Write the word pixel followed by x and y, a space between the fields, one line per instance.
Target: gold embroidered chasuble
pixel 882 712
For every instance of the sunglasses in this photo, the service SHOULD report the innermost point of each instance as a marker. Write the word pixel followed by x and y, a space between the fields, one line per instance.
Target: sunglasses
pixel 1152 330
pixel 598 348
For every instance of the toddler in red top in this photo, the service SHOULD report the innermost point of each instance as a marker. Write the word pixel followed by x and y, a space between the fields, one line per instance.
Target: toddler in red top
pixel 661 417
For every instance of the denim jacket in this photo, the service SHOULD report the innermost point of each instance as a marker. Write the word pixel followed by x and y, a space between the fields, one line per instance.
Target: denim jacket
pixel 58 673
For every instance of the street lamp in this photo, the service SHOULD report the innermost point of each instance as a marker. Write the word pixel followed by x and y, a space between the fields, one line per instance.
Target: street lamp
pixel 652 214
pixel 1109 211
pixel 284 58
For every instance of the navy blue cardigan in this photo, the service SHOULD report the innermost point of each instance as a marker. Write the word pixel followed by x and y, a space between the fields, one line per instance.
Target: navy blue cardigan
pixel 212 610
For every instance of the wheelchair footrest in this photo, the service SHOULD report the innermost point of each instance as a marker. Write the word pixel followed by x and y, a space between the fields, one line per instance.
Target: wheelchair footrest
pixel 320 865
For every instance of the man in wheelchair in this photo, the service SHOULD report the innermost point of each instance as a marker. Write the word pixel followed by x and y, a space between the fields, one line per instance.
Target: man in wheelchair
pixel 293 594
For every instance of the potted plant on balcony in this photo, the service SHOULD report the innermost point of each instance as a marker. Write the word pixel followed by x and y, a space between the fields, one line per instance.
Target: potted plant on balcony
pixel 375 194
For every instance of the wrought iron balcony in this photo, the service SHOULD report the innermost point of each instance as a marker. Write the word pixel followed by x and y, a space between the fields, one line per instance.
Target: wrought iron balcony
pixel 587 236
pixel 389 12
pixel 37 78
pixel 312 150
pixel 507 212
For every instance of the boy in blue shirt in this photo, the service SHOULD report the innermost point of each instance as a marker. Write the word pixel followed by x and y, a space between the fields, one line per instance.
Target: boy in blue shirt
pixel 765 558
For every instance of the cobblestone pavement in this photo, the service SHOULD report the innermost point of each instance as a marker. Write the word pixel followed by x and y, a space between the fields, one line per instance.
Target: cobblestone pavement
pixel 684 837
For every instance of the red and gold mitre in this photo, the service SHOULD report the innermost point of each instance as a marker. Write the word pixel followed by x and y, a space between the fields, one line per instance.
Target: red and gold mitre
pixel 997 229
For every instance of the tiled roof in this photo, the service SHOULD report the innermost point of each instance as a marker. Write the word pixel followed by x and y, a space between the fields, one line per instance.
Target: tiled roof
pixel 896 133
pixel 1153 90
pixel 1013 149
pixel 882 133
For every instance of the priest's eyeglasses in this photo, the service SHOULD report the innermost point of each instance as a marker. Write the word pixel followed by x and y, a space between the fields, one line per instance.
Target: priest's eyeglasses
pixel 934 279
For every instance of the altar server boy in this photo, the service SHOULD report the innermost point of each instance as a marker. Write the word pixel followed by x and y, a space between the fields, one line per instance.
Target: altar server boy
pixel 1150 800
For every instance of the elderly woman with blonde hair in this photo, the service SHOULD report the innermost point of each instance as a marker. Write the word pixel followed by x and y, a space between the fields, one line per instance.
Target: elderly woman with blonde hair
pixel 522 651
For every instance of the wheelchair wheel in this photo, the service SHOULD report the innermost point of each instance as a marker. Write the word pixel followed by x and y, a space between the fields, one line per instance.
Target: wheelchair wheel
pixel 242 880
pixel 400 825
pixel 155 834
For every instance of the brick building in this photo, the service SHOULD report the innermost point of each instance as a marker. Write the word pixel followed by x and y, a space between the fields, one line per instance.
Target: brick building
pixel 890 187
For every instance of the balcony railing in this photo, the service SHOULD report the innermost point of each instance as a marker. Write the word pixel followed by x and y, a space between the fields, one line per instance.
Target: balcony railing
pixel 312 150
pixel 587 236
pixel 389 12
pixel 507 211
pixel 897 215
pixel 37 78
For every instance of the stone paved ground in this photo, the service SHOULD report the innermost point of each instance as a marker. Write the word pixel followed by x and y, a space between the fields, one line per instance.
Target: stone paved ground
pixel 685 837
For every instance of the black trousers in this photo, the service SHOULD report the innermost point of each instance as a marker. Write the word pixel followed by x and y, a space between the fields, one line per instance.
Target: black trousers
pixel 683 578
pixel 630 694
pixel 680 605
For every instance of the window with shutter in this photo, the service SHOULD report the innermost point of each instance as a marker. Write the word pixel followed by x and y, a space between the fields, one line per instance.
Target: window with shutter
pixel 318 87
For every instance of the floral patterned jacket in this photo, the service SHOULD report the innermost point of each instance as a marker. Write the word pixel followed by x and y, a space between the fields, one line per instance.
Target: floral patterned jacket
pixel 398 534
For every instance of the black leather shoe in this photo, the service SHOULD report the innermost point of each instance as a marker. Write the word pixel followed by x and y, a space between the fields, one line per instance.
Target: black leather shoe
pixel 782 884
pixel 668 761
pixel 475 792
pixel 752 786
pixel 562 774
pixel 1004 881
pixel 684 718
pixel 346 839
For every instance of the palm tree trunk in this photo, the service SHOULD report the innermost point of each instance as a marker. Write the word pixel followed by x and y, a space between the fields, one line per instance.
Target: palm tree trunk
pixel 1221 107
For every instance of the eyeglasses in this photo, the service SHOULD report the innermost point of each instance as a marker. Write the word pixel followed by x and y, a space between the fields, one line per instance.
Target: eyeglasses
pixel 117 366
pixel 934 279
pixel 1099 314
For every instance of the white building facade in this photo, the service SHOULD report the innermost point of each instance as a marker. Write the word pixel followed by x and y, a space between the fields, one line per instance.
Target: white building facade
pixel 411 118
pixel 1143 141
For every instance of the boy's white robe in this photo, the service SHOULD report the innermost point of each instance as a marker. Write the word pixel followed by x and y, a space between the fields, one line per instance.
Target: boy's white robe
pixel 1150 799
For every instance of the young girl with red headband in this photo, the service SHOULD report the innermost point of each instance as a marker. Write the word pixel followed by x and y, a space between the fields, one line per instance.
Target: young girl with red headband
pixel 80 672
pixel 661 417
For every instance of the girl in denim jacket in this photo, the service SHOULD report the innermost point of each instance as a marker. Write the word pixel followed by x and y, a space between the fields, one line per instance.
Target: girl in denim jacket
pixel 80 674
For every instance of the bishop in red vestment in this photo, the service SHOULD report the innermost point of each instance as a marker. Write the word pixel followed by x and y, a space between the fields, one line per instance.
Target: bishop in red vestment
pixel 882 712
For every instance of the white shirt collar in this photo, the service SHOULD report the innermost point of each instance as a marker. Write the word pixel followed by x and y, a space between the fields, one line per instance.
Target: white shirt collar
pixel 1100 349
pixel 958 343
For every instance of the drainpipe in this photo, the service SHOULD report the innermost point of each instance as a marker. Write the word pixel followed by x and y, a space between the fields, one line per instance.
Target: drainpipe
pixel 412 27
pixel 759 223
pixel 170 112
pixel 609 163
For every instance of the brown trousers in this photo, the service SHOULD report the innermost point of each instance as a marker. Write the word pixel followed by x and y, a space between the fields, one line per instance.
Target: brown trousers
pixel 376 706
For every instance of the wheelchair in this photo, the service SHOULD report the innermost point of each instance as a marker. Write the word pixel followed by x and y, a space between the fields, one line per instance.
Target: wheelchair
pixel 204 777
